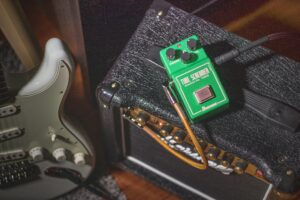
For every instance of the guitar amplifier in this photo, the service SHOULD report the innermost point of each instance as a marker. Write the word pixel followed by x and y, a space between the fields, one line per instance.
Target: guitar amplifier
pixel 262 157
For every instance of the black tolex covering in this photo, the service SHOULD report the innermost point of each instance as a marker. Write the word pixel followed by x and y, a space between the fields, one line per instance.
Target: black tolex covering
pixel 273 149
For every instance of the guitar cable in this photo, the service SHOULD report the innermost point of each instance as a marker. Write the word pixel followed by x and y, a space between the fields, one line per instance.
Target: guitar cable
pixel 180 156
pixel 225 57
pixel 187 126
pixel 237 51
pixel 183 118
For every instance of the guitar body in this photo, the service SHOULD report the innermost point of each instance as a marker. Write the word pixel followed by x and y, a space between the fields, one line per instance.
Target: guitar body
pixel 35 136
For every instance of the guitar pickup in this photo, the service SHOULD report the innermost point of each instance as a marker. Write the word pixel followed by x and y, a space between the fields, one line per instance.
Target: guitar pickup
pixel 8 110
pixel 10 133
pixel 12 155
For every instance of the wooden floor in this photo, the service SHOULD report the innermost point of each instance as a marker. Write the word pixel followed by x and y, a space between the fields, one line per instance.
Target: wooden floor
pixel 81 108
pixel 136 188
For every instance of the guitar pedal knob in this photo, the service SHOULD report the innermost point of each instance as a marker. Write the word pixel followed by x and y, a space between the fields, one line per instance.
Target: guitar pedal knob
pixel 185 57
pixel 79 159
pixel 171 54
pixel 36 154
pixel 59 154
pixel 192 44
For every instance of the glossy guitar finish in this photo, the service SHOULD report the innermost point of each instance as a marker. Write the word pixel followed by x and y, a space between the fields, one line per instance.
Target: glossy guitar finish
pixel 47 139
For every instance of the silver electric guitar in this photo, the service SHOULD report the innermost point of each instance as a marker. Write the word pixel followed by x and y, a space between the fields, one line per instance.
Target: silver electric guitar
pixel 41 154
pixel 36 139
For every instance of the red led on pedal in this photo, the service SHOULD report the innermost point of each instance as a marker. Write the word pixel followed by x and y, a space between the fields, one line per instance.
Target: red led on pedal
pixel 204 94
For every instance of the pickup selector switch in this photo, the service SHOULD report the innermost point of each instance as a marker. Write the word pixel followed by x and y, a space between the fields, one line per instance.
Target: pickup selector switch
pixel 59 154
pixel 36 154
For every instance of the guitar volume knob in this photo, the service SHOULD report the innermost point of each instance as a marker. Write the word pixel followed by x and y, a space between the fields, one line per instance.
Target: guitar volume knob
pixel 59 154
pixel 36 153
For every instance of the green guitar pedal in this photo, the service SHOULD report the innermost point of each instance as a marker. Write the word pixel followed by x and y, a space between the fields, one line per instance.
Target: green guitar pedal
pixel 196 84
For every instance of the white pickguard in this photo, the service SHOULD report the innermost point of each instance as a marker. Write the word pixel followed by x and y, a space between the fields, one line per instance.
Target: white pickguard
pixel 40 116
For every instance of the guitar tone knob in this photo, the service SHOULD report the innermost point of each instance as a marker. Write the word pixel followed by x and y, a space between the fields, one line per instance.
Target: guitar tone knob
pixel 79 159
pixel 36 154
pixel 59 154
